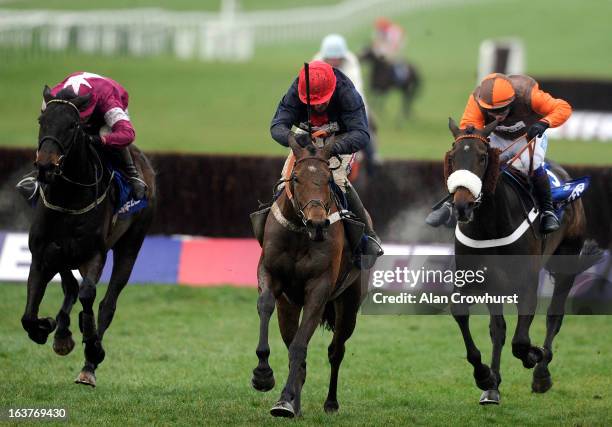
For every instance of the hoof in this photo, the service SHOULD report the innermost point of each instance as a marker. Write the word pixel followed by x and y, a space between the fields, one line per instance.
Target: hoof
pixel 282 409
pixel 542 381
pixel 490 397
pixel 263 380
pixel 331 407
pixel 534 356
pixel 86 378
pixel 39 330
pixel 63 346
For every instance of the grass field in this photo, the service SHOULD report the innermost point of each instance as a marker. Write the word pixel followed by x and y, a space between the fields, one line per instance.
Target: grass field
pixel 184 356
pixel 226 108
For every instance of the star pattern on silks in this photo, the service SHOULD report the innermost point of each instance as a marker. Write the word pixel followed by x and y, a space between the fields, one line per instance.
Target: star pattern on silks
pixel 80 79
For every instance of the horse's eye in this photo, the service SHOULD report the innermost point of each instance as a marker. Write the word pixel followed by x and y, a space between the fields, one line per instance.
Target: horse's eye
pixel 483 158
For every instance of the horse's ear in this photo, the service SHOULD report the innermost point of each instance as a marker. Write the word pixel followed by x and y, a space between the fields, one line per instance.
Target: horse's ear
pixel 47 94
pixel 329 145
pixel 81 101
pixel 293 144
pixel 486 131
pixel 453 127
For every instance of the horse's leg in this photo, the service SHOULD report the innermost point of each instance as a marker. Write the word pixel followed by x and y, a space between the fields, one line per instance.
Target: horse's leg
pixel 497 330
pixel 94 354
pixel 521 343
pixel 316 294
pixel 263 376
pixel 484 377
pixel 346 308
pixel 288 323
pixel 62 341
pixel 125 253
pixel 542 381
pixel 38 329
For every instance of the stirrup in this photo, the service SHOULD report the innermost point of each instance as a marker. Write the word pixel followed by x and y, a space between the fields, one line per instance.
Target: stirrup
pixel 139 187
pixel 28 188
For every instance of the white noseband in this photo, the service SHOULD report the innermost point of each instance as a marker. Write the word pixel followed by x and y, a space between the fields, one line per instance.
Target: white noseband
pixel 464 178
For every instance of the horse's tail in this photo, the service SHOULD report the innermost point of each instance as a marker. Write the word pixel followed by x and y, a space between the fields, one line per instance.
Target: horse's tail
pixel 329 317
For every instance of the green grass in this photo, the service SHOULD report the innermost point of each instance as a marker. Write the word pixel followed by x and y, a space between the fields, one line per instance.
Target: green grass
pixel 226 108
pixel 184 356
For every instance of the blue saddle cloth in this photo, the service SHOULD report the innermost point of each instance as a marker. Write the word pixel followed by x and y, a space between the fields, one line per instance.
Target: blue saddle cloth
pixel 126 205
pixel 563 193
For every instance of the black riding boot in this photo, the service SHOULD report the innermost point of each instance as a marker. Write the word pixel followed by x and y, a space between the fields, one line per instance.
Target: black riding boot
pixel 443 215
pixel 373 245
pixel 548 219
pixel 139 187
pixel 28 187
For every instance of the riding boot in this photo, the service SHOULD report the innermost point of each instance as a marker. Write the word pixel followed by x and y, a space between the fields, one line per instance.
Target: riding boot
pixel 139 187
pixel 28 187
pixel 372 245
pixel 442 215
pixel 548 219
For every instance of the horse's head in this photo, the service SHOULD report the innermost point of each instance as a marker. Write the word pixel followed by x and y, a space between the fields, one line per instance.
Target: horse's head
pixel 471 168
pixel 312 198
pixel 59 127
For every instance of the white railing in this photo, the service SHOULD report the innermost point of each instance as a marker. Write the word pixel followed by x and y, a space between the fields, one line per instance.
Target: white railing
pixel 225 35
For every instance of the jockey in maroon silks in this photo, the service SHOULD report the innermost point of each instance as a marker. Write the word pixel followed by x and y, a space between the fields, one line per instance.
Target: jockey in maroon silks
pixel 105 120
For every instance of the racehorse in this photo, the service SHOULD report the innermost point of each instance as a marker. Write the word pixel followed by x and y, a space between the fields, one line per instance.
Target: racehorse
pixel 305 264
pixel 490 210
pixel 384 78
pixel 74 226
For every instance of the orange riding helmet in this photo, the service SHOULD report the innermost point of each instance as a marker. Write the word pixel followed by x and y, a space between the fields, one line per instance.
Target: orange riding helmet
pixel 322 83
pixel 495 92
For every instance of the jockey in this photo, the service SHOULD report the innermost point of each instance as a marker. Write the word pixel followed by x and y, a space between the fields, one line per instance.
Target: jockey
pixel 333 99
pixel 107 123
pixel 524 112
pixel 335 52
pixel 389 40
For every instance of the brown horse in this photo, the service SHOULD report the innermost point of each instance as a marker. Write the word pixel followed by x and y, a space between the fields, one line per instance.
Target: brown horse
pixel 491 212
pixel 306 265
pixel 74 227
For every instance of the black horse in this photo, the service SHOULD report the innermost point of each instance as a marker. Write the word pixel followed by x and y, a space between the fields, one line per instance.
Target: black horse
pixel 490 210
pixel 384 78
pixel 74 227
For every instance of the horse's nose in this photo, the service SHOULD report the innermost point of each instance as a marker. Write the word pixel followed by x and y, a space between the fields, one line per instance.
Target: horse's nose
pixel 464 211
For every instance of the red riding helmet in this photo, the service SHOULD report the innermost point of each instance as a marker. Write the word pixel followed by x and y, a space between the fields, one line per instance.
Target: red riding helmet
pixel 322 82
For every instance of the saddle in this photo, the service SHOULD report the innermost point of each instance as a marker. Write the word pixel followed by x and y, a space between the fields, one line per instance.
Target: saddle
pixel 563 192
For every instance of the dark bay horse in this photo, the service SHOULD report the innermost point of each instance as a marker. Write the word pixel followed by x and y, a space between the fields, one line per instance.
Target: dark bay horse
pixel 74 227
pixel 305 266
pixel 490 210
pixel 384 78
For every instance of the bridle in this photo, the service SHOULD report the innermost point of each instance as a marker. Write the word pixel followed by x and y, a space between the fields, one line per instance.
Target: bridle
pixel 58 165
pixel 485 140
pixel 299 210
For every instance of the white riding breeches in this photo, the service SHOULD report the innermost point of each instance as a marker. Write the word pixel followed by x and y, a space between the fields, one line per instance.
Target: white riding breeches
pixel 522 162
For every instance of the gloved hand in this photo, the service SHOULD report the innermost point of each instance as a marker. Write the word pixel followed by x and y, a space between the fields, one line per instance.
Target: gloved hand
pixel 537 129
pixel 303 139
pixel 96 141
